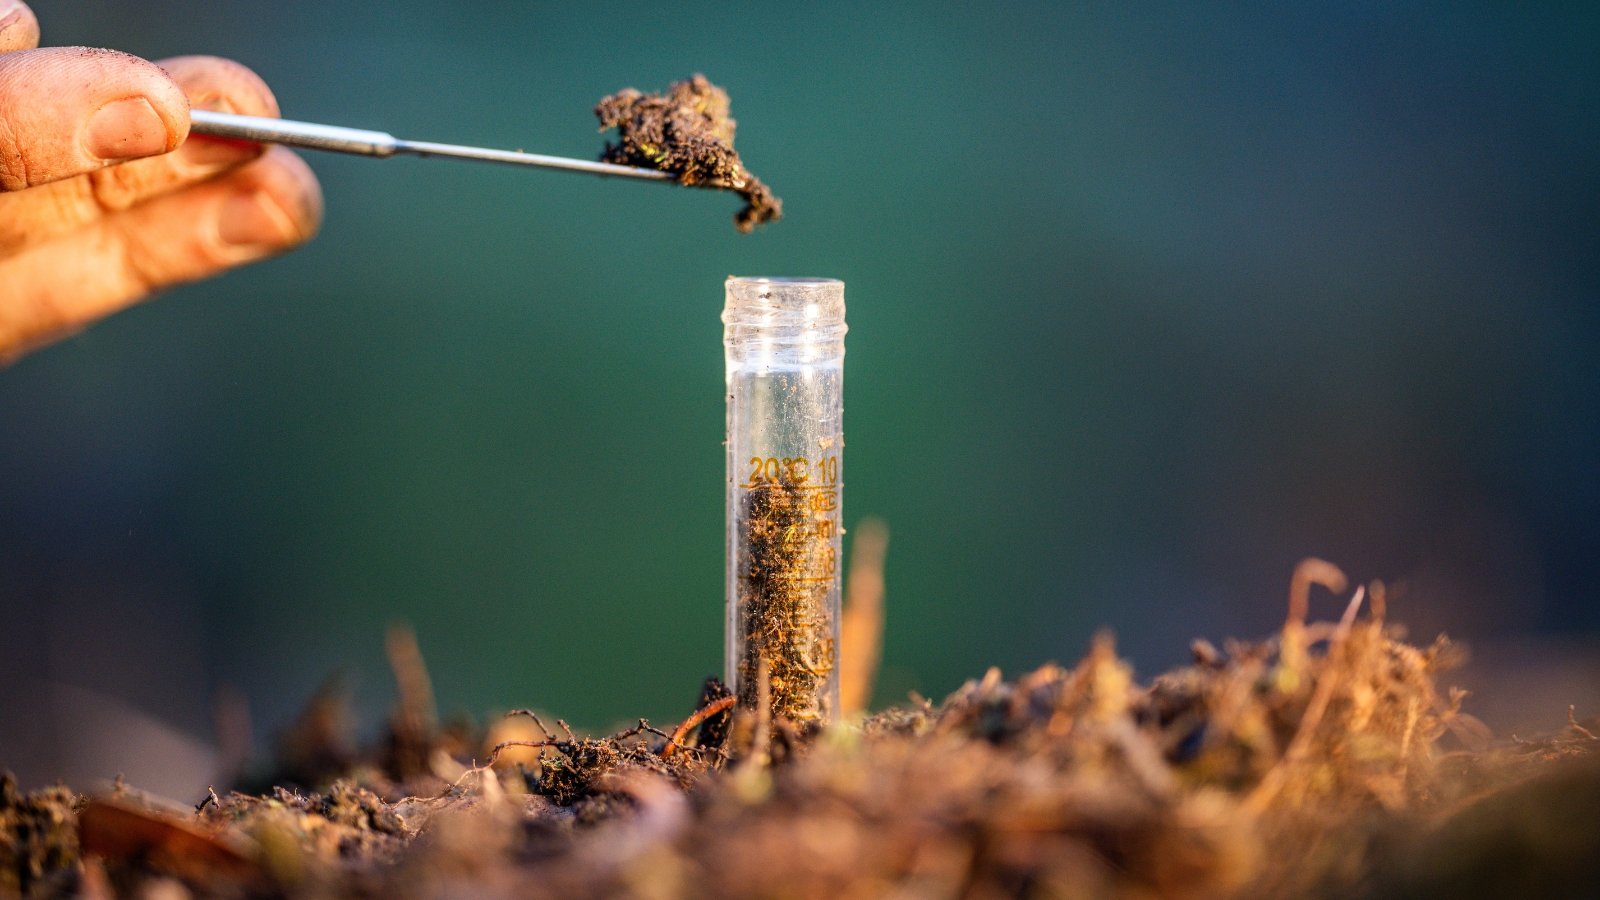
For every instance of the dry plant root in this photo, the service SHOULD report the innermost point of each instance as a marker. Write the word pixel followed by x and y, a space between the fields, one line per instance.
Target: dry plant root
pixel 715 707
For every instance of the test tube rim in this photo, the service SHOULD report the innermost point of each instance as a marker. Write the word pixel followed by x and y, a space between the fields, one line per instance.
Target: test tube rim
pixel 784 279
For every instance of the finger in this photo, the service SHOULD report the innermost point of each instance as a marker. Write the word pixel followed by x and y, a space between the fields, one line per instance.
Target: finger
pixel 65 111
pixel 41 213
pixel 256 211
pixel 209 83
pixel 19 30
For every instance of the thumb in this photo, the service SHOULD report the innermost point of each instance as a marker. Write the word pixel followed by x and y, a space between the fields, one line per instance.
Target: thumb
pixel 69 110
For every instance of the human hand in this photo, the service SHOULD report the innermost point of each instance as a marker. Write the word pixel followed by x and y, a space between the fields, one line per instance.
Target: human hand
pixel 105 197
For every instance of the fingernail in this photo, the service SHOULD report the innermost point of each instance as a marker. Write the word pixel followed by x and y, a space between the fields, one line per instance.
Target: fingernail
pixel 255 220
pixel 204 150
pixel 18 29
pixel 126 129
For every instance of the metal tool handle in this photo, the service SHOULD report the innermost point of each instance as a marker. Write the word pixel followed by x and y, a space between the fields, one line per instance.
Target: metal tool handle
pixel 377 143
pixel 295 134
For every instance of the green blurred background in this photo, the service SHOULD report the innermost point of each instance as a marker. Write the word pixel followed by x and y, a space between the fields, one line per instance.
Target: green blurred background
pixel 1146 302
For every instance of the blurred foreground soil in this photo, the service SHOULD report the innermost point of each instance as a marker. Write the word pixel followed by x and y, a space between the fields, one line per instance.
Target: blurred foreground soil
pixel 1324 760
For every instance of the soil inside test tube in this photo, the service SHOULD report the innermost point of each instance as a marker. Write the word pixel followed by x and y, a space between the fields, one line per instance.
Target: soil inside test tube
pixel 686 131
pixel 783 609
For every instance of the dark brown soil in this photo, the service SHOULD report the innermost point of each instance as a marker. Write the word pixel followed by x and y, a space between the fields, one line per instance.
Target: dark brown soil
pixel 786 628
pixel 686 131
pixel 1324 760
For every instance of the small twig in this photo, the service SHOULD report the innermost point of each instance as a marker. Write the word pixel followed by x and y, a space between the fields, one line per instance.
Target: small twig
pixel 535 717
pixel 1300 744
pixel 672 742
pixel 211 799
pixel 412 685
pixel 861 627
pixel 644 727
pixel 1292 642
pixel 567 728
pixel 1312 571
pixel 695 718
pixel 1572 722
pixel 1413 715
pixel 494 753
pixel 494 793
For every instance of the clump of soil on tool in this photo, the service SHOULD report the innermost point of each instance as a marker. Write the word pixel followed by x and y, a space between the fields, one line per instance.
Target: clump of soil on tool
pixel 1324 760
pixel 686 131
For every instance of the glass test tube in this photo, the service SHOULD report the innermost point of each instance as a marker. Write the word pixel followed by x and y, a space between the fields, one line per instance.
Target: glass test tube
pixel 784 342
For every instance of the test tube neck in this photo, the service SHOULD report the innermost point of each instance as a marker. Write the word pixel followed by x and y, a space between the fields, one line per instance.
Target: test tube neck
pixel 784 321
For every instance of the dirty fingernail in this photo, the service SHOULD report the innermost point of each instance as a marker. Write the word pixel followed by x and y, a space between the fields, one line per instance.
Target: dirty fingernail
pixel 18 30
pixel 255 220
pixel 126 129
